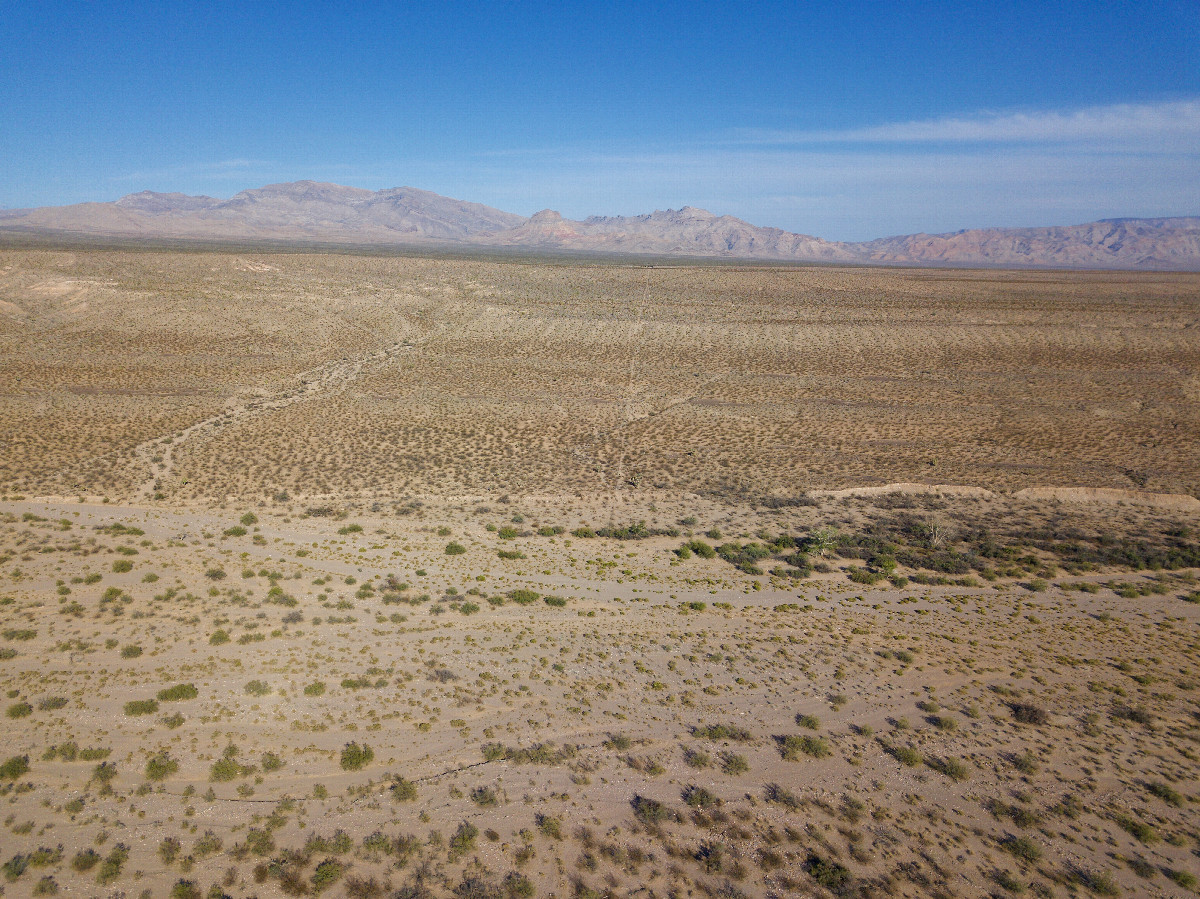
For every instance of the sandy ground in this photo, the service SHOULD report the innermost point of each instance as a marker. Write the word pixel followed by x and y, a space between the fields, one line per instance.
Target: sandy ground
pixel 260 514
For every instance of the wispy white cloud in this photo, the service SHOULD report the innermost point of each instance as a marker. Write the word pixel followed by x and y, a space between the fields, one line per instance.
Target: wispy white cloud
pixel 222 169
pixel 1176 122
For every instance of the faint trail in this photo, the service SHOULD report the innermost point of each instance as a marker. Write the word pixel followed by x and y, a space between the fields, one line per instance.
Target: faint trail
pixel 329 379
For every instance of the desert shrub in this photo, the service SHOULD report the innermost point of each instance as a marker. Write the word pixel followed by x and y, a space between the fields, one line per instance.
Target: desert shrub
pixel 122 565
pixel 15 866
pixel 484 797
pixel 110 868
pixel 219 637
pixel 1028 713
pixel 462 841
pixel 1138 715
pixel 178 693
pixel 551 827
pixel 224 769
pixel 1166 793
pixel 455 549
pixel 792 747
pixel 257 688
pixel 905 755
pixel 131 651
pixel 556 601
pixel 160 767
pixel 1140 830
pixel 698 797
pixel 865 575
pixel 19 710
pixel 316 688
pixel 1022 847
pixel 811 722
pixel 829 874
pixel 327 873
pixel 85 860
pixel 695 758
pixel 650 811
pixel 523 597
pixel 722 732
pixel 403 789
pixel 141 707
pixel 272 762
pixel 733 764
pixel 955 769
pixel 185 889
pixel 355 757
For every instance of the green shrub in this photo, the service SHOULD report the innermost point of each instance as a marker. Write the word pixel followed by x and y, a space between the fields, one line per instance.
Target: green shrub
pixel 272 762
pixel 905 755
pixel 791 747
pixel 131 651
pixel 455 549
pixel 185 889
pixel 15 767
pixel 1023 848
pixel 403 789
pixel 219 637
pixel 224 770
pixel 122 565
pixel 110 868
pixel 178 693
pixel 555 601
pixel 160 767
pixel 316 688
pixel 19 710
pixel 327 874
pixel 721 732
pixel 257 688
pixel 523 597
pixel 141 707
pixel 85 860
pixel 355 757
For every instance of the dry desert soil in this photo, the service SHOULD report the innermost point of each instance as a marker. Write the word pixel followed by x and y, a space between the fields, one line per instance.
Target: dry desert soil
pixel 385 575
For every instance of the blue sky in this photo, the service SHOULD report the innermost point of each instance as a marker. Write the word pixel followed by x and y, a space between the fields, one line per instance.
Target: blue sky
pixel 847 120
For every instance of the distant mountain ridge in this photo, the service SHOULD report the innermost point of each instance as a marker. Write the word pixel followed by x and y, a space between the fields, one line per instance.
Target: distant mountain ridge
pixel 332 213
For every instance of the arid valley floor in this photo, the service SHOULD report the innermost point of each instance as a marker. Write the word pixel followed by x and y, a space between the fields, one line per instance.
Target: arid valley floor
pixel 400 575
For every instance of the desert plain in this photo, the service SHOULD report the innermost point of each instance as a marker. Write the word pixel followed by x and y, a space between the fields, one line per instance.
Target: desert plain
pixel 366 573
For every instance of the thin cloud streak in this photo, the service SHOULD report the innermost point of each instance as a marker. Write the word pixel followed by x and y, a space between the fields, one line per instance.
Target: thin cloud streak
pixel 1121 124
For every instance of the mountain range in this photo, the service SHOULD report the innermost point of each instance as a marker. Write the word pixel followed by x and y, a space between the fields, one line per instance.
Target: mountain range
pixel 314 212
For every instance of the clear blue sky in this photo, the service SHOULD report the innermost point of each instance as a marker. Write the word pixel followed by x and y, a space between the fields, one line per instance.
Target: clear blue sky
pixel 847 120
